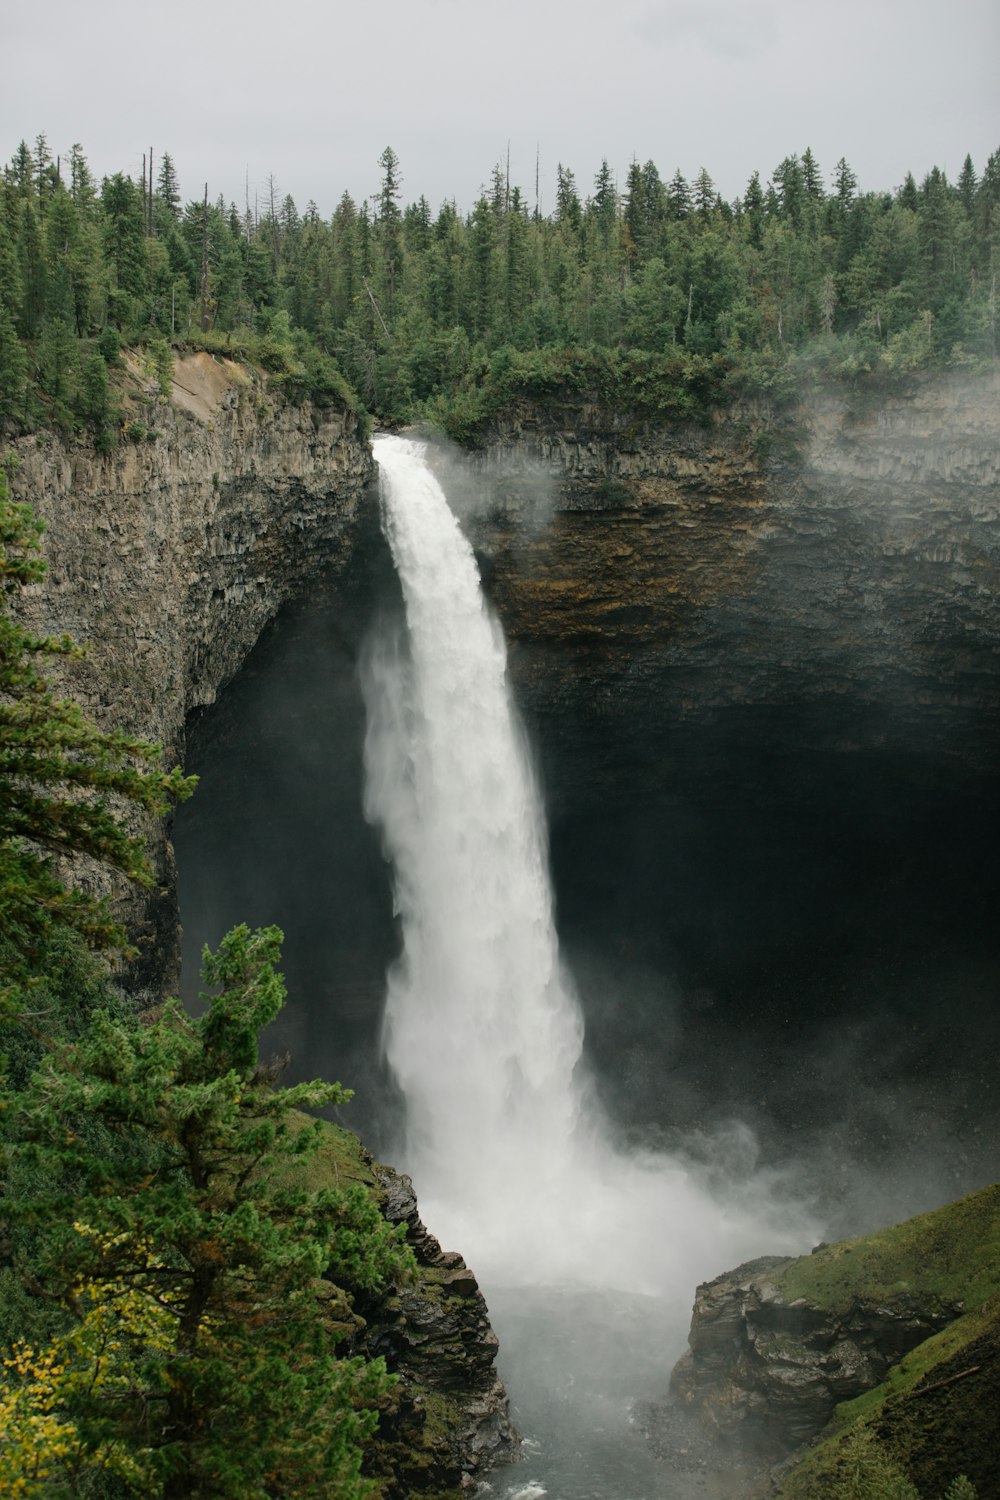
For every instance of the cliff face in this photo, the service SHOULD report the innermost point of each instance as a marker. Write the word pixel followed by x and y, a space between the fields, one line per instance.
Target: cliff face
pixel 169 556
pixel 845 555
pixel 769 1370
pixel 451 1420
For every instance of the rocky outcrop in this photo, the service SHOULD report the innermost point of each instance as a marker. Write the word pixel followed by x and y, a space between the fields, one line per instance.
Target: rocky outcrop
pixel 168 556
pixel 451 1420
pixel 777 1343
pixel 766 1372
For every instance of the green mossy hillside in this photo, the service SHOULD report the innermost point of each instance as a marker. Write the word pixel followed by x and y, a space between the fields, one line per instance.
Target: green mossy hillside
pixel 933 1420
pixel 949 1257
pixel 339 1158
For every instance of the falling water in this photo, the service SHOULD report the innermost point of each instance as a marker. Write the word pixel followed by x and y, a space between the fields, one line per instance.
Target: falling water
pixel 482 1026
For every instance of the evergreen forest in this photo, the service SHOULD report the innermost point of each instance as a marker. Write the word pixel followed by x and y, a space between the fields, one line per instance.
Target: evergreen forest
pixel 173 1274
pixel 657 292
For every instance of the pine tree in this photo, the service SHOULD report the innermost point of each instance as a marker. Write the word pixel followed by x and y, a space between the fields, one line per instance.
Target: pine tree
pixel 388 229
pixel 569 213
pixel 168 195
pixel 704 194
pixel 603 207
pixel 967 185
pixel 163 1159
pixel 13 370
pixel 811 177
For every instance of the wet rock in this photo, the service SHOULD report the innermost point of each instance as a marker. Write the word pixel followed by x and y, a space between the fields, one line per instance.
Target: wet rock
pixel 452 1419
pixel 831 555
pixel 168 557
pixel 765 1374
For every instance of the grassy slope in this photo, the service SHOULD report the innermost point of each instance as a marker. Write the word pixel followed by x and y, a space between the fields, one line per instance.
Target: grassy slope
pixel 949 1256
pixel 936 1416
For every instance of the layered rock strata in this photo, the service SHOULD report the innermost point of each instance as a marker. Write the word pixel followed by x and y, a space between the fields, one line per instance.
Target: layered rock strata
pixel 451 1421
pixel 766 1372
pixel 168 556
pixel 841 562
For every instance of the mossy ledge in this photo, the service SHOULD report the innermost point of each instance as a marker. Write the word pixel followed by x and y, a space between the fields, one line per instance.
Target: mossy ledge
pixel 889 1341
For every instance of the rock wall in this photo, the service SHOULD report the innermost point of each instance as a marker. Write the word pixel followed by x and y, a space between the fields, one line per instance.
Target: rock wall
pixel 451 1420
pixel 766 1372
pixel 843 553
pixel 168 556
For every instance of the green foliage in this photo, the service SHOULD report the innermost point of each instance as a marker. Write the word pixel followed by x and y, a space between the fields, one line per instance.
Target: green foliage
pixel 160 1163
pixel 58 775
pixel 933 1419
pixel 867 1472
pixel 95 404
pixel 793 281
pixel 163 363
pixel 947 1257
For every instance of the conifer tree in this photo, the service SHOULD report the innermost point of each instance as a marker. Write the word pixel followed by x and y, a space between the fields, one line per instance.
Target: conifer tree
pixel 161 1163
pixel 58 771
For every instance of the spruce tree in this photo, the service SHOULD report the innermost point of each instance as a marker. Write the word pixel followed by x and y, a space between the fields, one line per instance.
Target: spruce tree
pixel 158 1167
pixel 58 771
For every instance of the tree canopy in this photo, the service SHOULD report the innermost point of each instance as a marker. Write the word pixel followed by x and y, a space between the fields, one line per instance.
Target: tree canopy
pixel 155 1197
pixel 804 270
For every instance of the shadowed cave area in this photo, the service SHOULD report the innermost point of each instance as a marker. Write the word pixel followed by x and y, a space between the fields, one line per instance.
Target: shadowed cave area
pixel 777 913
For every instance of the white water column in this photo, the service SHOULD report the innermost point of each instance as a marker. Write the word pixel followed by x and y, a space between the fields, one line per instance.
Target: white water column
pixel 482 1027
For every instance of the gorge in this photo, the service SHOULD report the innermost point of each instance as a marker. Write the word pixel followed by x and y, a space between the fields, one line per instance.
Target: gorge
pixel 757 663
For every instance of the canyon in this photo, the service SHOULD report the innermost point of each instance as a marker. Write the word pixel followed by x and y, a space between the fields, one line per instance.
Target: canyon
pixel 757 661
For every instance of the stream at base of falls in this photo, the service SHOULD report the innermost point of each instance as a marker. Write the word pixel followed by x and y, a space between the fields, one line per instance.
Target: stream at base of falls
pixel 588 1373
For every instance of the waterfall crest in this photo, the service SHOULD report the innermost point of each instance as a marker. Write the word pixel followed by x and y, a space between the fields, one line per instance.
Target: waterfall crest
pixel 482 1026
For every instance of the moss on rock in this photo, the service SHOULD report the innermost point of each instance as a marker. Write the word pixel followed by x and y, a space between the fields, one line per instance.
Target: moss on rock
pixel 932 1420
pixel 942 1259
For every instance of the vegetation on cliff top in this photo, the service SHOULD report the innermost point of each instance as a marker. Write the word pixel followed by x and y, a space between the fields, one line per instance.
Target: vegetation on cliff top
pixel 657 292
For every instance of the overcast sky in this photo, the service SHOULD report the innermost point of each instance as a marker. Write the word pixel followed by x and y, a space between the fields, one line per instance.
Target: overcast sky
pixel 310 91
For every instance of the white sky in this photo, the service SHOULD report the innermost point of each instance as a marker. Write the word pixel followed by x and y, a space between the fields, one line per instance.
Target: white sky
pixel 312 90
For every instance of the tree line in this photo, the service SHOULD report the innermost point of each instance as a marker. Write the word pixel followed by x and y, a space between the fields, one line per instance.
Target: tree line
pixel 410 307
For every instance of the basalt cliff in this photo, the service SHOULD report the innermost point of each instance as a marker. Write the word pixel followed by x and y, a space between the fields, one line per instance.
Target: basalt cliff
pixel 168 557
pixel 840 558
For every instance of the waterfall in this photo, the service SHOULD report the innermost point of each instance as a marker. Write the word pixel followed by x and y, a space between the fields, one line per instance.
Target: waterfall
pixel 483 1029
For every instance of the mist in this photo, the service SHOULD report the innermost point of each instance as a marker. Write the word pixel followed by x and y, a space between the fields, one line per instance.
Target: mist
pixel 783 956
